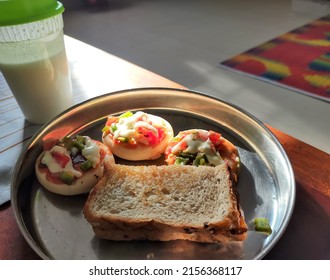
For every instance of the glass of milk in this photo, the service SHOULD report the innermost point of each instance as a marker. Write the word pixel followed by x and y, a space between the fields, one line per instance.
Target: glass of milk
pixel 33 58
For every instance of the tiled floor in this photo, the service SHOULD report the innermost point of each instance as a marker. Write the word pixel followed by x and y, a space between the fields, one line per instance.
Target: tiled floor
pixel 185 40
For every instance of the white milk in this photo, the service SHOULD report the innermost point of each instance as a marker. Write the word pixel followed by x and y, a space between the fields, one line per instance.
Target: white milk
pixel 38 75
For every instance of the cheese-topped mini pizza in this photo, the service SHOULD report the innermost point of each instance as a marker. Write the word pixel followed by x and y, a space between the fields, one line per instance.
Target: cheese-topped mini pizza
pixel 137 136
pixel 73 165
pixel 202 147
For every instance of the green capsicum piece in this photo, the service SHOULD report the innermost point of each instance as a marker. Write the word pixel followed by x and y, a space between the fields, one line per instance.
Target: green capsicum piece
pixel 67 177
pixel 123 139
pixel 262 225
pixel 86 165
pixel 126 114
pixel 181 160
pixel 200 159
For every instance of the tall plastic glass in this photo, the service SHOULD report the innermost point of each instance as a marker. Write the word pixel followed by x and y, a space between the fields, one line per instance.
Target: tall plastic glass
pixel 33 59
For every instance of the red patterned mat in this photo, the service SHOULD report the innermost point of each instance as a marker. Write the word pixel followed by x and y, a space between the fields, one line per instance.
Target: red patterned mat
pixel 298 60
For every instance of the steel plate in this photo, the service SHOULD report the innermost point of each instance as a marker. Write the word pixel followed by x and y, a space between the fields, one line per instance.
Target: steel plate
pixel 55 227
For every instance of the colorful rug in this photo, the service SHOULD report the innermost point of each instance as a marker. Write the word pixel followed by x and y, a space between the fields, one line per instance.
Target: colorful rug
pixel 298 60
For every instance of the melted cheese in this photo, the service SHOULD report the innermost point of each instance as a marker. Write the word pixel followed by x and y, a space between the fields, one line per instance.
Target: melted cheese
pixel 125 127
pixel 148 126
pixel 54 166
pixel 91 152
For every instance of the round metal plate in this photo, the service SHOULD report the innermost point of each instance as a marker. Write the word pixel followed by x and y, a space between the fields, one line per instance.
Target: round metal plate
pixel 55 227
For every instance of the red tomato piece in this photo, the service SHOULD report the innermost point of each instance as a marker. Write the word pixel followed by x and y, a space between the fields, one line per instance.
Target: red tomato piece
pixel 61 159
pixel 111 120
pixel 214 137
pixel 161 134
pixel 203 135
pixel 152 138
pixel 54 178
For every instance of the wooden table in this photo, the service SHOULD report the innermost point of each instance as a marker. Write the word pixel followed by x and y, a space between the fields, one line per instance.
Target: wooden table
pixel 95 72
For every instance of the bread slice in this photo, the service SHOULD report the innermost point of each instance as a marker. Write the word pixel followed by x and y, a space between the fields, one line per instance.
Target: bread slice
pixel 166 203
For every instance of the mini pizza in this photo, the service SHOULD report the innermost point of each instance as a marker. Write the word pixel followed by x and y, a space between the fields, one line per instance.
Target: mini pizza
pixel 202 147
pixel 73 165
pixel 137 136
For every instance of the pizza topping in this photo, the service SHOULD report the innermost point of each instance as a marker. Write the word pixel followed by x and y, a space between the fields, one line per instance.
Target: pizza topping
pixel 70 158
pixel 202 147
pixel 193 147
pixel 135 128
pixel 67 177
pixel 91 152
pixel 54 160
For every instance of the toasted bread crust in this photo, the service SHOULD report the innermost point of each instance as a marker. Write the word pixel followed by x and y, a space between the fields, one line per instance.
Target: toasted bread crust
pixel 153 216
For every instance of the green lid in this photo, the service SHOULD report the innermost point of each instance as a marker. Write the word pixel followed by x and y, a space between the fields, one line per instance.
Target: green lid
pixel 14 12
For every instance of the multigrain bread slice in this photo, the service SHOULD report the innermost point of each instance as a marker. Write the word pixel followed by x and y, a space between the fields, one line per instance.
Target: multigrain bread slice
pixel 166 203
